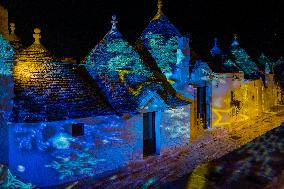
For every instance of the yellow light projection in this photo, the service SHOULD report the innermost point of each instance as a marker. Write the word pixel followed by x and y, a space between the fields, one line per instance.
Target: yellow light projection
pixel 24 73
pixel 160 12
pixel 197 178
pixel 244 103
pixel 122 73
pixel 36 52
pixel 222 114
pixel 237 107
pixel 31 61
pixel 134 91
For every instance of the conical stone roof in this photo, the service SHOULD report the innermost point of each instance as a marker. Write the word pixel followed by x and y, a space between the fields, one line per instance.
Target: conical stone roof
pixel 116 65
pixel 242 60
pixel 36 52
pixel 51 91
pixel 55 91
pixel 120 72
pixel 161 39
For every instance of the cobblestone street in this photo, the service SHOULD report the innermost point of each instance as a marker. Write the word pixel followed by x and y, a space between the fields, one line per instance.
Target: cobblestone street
pixel 214 143
pixel 258 164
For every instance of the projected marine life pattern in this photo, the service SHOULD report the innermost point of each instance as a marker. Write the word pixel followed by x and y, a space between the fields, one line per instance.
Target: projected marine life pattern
pixel 233 107
pixel 263 61
pixel 67 158
pixel 75 164
pixel 107 97
pixel 12 182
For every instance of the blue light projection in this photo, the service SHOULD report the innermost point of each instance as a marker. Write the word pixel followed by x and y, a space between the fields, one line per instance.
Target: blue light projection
pixel 200 73
pixel 215 51
pixel 114 54
pixel 266 63
pixel 175 128
pixel 118 69
pixel 65 92
pixel 61 141
pixel 263 60
pixel 242 60
pixel 267 69
pixel 61 158
pixel 28 138
pixel 122 75
pixel 161 39
pixel 6 57
pixel 230 66
pixel 50 95
pixel 12 182
pixel 81 163
pixel 151 181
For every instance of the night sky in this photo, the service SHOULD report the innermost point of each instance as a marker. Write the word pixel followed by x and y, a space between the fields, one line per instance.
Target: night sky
pixel 73 27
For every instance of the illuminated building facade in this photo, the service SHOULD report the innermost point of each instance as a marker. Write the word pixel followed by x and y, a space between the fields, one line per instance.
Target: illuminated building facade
pixel 242 91
pixel 63 122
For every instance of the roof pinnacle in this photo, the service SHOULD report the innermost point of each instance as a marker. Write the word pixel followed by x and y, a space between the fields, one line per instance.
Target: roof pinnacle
pixel 215 41
pixel 160 6
pixel 235 36
pixel 159 11
pixel 12 28
pixel 216 50
pixel 37 35
pixel 114 22
pixel 235 41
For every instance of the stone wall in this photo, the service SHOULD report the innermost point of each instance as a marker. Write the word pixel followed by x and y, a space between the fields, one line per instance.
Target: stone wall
pixel 108 143
pixel 175 127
